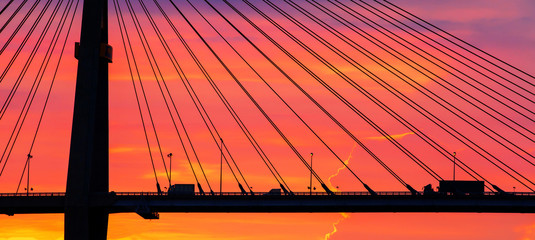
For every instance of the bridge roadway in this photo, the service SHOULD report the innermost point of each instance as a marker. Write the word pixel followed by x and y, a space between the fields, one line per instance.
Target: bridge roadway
pixel 122 202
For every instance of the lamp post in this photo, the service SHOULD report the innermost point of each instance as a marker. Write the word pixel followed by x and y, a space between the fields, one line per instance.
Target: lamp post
pixel 310 187
pixel 28 175
pixel 221 169
pixel 454 158
pixel 170 155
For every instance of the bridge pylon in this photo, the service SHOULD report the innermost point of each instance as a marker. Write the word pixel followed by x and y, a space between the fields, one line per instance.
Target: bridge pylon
pixel 88 172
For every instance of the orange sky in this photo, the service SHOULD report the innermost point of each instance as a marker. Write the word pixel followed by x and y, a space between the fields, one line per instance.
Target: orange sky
pixel 501 27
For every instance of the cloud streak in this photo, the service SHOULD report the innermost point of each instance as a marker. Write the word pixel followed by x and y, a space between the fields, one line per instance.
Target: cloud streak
pixel 396 136
pixel 335 229
pixel 340 169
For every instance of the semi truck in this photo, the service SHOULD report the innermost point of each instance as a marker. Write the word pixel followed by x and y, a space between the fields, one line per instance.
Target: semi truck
pixel 182 189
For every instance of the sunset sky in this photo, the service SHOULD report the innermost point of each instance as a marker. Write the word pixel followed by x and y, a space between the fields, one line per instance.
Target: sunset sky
pixel 502 28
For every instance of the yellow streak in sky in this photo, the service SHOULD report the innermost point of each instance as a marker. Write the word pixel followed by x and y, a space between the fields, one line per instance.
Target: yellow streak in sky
pixel 344 215
pixel 340 169
pixel 329 235
pixel 397 136
pixel 122 149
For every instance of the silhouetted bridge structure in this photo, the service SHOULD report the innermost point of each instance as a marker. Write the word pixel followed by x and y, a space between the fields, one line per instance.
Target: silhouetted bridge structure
pixel 122 202
pixel 505 98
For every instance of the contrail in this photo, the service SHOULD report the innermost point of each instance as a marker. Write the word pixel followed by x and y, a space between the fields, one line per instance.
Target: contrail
pixel 344 215
pixel 329 235
pixel 396 136
pixel 341 168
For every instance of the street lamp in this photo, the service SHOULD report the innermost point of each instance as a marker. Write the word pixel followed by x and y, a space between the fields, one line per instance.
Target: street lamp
pixel 170 155
pixel 310 187
pixel 221 168
pixel 28 175
pixel 454 158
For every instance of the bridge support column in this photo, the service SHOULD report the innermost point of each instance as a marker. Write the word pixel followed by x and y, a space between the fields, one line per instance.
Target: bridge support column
pixel 87 178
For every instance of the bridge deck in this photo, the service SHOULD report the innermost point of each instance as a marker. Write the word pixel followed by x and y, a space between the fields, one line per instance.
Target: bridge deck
pixel 301 202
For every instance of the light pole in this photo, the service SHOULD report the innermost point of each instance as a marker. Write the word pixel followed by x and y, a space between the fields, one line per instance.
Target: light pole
pixel 454 158
pixel 221 169
pixel 310 187
pixel 170 155
pixel 28 175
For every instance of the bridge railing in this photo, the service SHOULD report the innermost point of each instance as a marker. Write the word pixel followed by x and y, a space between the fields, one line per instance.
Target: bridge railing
pixel 261 193
pixel 34 194
pixel 391 193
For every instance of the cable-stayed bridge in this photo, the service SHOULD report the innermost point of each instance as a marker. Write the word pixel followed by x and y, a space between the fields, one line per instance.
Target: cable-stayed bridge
pixel 304 71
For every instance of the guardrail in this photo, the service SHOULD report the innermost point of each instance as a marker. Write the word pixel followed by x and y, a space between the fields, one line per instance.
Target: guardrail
pixel 33 194
pixel 265 193
pixel 392 193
